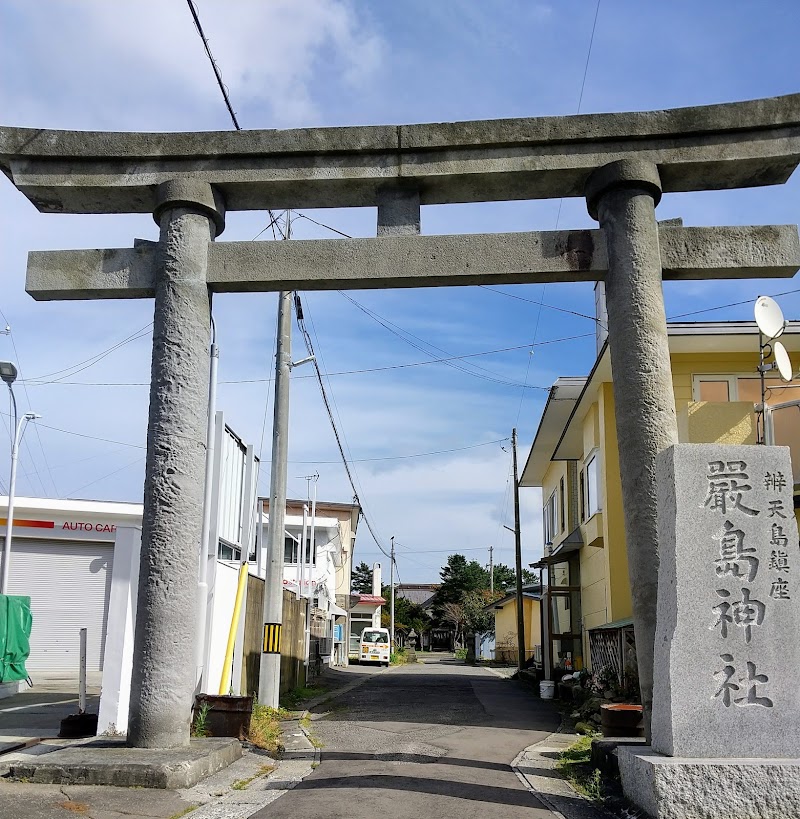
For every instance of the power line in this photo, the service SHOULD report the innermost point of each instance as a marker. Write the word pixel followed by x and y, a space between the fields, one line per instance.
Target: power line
pixel 348 372
pixel 310 349
pixel 401 333
pixel 38 437
pixel 414 455
pixel 322 225
pixel 548 306
pixel 103 477
pixel 732 304
pixel 560 204
pixel 93 359
pixel 211 59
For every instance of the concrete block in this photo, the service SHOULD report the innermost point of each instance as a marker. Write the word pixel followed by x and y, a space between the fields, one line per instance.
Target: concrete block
pixel 111 762
pixel 680 788
pixel 726 647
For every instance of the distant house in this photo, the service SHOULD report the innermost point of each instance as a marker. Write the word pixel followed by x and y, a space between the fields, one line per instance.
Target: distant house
pixel 505 625
pixel 424 594
pixel 420 593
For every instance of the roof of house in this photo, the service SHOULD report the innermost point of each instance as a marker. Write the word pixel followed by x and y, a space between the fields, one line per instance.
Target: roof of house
pixel 419 593
pixel 531 591
pixel 558 439
pixel 368 599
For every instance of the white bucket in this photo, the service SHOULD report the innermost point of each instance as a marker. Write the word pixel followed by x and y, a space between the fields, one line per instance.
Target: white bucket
pixel 547 689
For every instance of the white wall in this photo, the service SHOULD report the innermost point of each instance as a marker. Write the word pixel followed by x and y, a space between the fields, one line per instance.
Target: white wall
pixel 227 580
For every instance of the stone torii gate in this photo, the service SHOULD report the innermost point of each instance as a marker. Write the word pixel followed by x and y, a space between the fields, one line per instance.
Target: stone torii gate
pixel 621 163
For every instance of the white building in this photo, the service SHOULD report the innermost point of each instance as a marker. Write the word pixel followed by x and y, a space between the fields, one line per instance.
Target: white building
pixel 62 556
pixel 321 572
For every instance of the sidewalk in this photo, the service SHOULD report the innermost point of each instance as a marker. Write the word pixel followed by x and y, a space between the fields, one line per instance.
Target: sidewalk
pixel 29 725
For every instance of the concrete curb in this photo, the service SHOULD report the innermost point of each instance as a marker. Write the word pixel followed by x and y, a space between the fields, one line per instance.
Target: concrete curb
pixel 299 758
pixel 551 788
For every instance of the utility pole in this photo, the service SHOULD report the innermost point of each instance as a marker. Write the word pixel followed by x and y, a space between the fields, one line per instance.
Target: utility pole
pixel 491 570
pixel 391 599
pixel 270 667
pixel 518 550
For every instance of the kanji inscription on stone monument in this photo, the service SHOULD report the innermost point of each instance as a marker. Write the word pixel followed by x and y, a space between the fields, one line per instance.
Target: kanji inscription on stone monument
pixel 726 651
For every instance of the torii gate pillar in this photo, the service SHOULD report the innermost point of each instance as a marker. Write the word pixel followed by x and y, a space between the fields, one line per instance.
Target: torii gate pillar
pixel 622 196
pixel 190 216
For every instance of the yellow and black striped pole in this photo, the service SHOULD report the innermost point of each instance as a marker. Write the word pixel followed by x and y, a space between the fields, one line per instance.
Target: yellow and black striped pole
pixel 272 638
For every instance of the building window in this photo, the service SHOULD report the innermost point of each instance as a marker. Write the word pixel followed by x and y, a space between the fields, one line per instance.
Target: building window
pixel 591 487
pixel 583 497
pixel 562 498
pixel 550 519
pixel 291 550
pixel 721 388
pixel 227 551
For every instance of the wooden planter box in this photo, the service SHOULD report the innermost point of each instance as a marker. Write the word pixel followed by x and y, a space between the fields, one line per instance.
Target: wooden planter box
pixel 622 720
pixel 227 716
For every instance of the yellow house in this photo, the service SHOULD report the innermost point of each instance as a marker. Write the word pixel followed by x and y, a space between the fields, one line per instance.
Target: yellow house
pixel 505 625
pixel 586 603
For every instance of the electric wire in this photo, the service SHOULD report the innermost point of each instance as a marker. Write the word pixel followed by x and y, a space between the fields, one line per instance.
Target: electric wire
pixel 560 205
pixel 109 475
pixel 217 74
pixel 38 437
pixel 398 331
pixel 142 331
pixel 414 455
pixel 299 317
pixel 346 372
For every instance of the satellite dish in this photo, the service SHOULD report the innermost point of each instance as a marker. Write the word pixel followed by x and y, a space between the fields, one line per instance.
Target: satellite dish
pixel 769 317
pixel 782 361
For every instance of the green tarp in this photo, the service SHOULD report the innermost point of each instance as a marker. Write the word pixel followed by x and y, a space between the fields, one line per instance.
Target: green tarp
pixel 15 633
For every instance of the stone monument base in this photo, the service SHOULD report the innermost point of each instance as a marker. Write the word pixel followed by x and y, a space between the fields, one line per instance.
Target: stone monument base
pixel 111 762
pixel 668 787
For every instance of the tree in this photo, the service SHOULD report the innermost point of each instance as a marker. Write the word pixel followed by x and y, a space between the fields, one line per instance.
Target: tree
pixel 458 578
pixel 505 578
pixel 361 580
pixel 453 615
pixel 407 615
pixel 477 618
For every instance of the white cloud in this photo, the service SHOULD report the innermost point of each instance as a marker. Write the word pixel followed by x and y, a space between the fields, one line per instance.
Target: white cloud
pixel 148 56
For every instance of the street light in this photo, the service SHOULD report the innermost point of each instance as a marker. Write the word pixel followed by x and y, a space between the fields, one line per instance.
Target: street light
pixel 8 372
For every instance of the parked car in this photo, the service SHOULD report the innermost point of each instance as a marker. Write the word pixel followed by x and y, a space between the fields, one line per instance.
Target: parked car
pixel 374 646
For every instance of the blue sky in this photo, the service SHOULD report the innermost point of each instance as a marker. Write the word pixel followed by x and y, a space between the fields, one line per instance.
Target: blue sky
pixel 139 65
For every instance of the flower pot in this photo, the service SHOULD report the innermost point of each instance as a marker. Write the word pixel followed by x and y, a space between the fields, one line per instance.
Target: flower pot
pixel 622 720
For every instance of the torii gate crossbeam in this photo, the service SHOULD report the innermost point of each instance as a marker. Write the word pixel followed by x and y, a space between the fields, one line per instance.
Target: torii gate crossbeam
pixel 621 163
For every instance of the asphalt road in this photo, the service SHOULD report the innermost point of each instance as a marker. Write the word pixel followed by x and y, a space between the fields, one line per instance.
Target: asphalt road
pixel 427 740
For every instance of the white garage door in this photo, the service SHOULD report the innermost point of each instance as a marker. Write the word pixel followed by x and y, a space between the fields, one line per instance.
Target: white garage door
pixel 69 585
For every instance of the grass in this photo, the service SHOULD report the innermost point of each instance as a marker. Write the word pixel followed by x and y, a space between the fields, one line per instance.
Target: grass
pixel 305 724
pixel 398 657
pixel 575 764
pixel 265 729
pixel 294 698
pixel 200 722
pixel 241 784
pixel 183 812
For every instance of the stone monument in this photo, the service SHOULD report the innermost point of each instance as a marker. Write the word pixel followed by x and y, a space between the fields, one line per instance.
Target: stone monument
pixel 726 695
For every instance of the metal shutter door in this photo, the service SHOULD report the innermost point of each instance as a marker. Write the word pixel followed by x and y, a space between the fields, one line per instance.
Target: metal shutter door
pixel 69 585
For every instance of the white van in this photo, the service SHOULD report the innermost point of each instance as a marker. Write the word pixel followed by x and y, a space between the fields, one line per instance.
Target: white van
pixel 374 646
